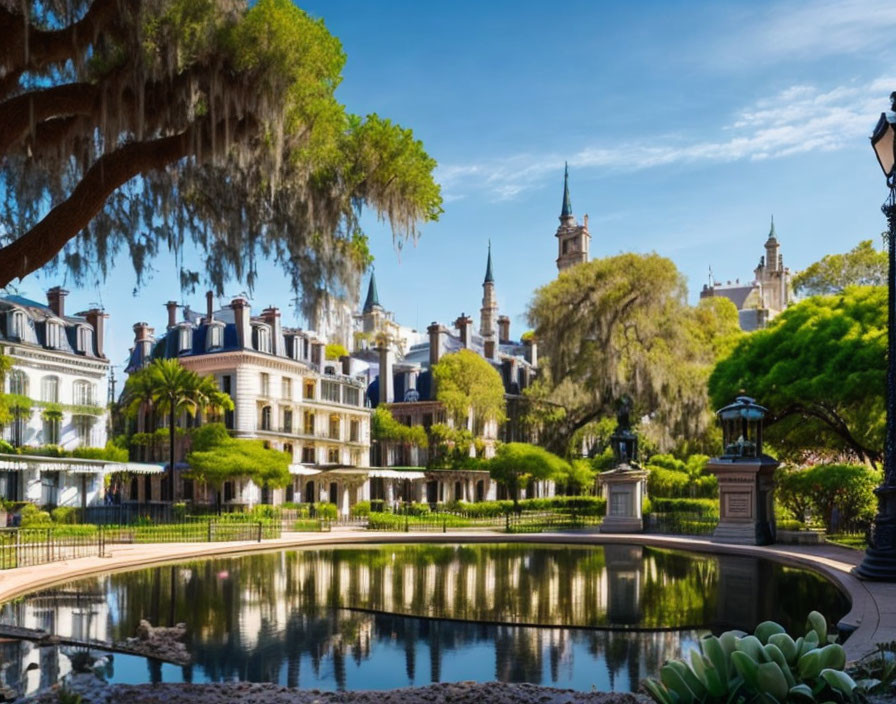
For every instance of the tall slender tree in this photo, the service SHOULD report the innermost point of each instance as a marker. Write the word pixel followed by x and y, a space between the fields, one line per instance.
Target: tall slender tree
pixel 172 389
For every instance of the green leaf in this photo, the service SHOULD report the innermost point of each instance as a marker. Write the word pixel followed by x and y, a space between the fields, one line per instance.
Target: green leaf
pixel 786 644
pixel 818 623
pixel 771 680
pixel 766 629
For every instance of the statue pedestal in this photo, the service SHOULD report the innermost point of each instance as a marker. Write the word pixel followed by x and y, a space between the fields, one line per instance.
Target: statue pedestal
pixel 624 490
pixel 746 499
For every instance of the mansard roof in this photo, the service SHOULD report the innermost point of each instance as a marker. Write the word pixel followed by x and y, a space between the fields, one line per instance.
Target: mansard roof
pixel 373 296
pixel 38 317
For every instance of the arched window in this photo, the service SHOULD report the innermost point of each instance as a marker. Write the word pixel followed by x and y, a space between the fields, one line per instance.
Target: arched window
pixel 266 418
pixel 185 339
pixel 263 338
pixel 52 331
pixel 83 393
pixel 214 337
pixel 18 382
pixel 49 391
pixel 16 324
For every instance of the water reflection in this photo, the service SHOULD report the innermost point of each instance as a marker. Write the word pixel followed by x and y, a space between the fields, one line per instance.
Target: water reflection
pixel 351 618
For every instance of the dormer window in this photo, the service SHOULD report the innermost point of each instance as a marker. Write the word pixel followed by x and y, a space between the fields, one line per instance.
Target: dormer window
pixel 16 324
pixel 214 337
pixel 85 339
pixel 52 334
pixel 263 338
pixel 184 339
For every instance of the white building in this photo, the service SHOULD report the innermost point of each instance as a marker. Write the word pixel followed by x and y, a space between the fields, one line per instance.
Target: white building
pixel 59 363
pixel 284 391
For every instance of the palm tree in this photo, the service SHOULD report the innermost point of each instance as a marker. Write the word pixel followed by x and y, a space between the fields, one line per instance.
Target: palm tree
pixel 173 389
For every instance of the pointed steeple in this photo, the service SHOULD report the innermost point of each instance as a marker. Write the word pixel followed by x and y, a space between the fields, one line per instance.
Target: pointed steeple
pixel 566 211
pixel 771 232
pixel 489 278
pixel 373 298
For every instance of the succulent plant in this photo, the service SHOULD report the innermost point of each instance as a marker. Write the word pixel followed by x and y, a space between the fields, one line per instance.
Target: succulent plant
pixel 767 667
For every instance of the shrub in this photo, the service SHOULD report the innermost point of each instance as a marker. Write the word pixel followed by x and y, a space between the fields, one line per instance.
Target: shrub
pixel 264 512
pixel 111 453
pixel 768 666
pixel 33 517
pixel 179 511
pixel 6 448
pixel 704 507
pixel 360 509
pixel 64 514
pixel 824 488
pixel 42 451
pixel 326 510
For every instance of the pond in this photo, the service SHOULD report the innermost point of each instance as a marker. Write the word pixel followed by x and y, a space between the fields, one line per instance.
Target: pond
pixel 390 616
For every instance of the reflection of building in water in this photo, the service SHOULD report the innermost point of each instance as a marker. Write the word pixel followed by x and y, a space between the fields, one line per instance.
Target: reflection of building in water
pixel 28 668
pixel 624 565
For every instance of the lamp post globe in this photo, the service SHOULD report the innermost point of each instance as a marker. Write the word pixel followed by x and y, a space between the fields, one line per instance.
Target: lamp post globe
pixel 880 557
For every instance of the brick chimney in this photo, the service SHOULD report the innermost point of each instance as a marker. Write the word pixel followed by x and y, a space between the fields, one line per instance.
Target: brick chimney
pixel 56 300
pixel 490 346
pixel 318 353
pixel 386 385
pixel 172 313
pixel 464 324
pixel 241 313
pixel 436 337
pixel 271 316
pixel 97 320
pixel 209 306
pixel 503 329
pixel 143 339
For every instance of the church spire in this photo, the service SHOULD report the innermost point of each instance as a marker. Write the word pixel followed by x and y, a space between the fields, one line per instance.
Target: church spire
pixel 489 278
pixel 566 211
pixel 771 232
pixel 373 297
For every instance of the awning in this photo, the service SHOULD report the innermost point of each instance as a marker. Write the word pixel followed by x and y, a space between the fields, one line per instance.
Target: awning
pixel 73 465
pixel 395 474
pixel 302 470
pixel 136 468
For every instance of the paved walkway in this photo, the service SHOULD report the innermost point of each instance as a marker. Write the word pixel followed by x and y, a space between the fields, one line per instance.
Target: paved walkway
pixel 873 613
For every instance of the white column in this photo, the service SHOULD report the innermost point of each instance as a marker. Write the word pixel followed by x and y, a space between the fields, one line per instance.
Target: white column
pixel 344 509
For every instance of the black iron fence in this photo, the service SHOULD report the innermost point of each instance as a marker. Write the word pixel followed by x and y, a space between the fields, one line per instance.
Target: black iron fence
pixel 26 547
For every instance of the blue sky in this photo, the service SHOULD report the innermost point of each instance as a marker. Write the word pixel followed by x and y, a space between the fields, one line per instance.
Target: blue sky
pixel 685 125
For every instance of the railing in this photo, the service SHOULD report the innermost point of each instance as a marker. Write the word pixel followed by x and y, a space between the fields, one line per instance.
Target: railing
pixel 26 547
pixel 680 523
pixel 196 531
pixel 523 522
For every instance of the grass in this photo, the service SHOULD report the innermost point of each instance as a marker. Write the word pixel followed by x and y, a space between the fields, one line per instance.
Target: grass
pixel 854 541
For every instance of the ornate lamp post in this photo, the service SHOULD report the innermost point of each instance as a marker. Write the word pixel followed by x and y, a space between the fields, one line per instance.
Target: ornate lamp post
pixel 880 558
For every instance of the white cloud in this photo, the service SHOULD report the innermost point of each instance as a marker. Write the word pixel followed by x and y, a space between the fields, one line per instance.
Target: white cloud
pixel 796 120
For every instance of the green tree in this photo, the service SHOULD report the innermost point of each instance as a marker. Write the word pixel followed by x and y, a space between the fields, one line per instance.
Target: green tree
pixel 577 477
pixel 515 464
pixel 820 369
pixel 621 325
pixel 863 265
pixel 335 351
pixel 173 389
pixel 821 489
pixel 132 127
pixel 5 414
pixel 468 386
pixel 217 458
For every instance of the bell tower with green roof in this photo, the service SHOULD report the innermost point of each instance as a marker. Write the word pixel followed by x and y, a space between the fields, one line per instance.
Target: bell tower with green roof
pixel 573 240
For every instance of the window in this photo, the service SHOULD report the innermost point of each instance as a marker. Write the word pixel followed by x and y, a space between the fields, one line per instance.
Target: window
pixel 18 382
pixel 352 396
pixel 265 384
pixel 329 391
pixel 84 428
pixel 333 455
pixel 49 389
pixel 309 389
pixel 287 448
pixel 85 339
pixel 354 431
pixel 51 431
pixel 52 331
pixel 286 388
pixel 308 455
pixel 49 488
pixel 334 427
pixel 185 339
pixel 214 337
pixel 309 423
pixel 16 325
pixel 83 393
pixel 263 338
pixel 266 418
pixel 287 420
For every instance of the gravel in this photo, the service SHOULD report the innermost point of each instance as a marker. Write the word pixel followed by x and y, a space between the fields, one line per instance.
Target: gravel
pixel 95 691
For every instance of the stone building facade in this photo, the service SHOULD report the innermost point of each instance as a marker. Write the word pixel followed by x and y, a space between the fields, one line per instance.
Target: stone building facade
pixel 767 295
pixel 573 240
